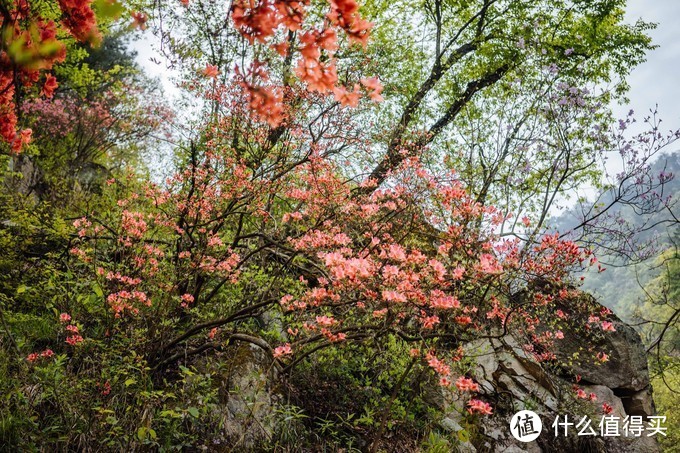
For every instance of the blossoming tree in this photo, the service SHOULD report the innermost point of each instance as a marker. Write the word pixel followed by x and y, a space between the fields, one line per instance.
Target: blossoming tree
pixel 301 220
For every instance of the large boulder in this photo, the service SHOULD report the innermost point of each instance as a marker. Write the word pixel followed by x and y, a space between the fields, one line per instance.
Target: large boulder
pixel 626 371
pixel 513 380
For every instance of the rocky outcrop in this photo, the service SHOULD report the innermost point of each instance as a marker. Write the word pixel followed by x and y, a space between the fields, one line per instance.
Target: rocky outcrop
pixel 626 369
pixel 248 409
pixel 513 380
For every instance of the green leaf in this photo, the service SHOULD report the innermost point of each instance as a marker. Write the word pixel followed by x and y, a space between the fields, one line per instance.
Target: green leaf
pixel 193 412
pixel 109 8
pixel 186 371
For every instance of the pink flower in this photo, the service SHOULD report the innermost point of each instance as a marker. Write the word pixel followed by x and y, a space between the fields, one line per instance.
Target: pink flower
pixel 396 252
pixel 74 340
pixel 608 326
pixel 442 301
pixel 186 300
pixel 380 313
pixel 283 351
pixel 489 264
pixel 394 296
pixel 436 364
pixel 34 356
pixel 607 409
pixel 65 318
pixel 325 321
pixel 429 322
pixel 458 273
pixel 215 241
pixel 374 88
pixel 72 329
pixel 466 385
pixel 479 407
pixel 559 335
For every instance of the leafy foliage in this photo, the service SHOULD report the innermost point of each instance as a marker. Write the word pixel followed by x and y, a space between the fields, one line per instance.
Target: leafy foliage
pixel 308 275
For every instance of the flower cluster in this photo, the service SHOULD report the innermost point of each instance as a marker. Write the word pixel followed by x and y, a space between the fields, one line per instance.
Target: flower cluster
pixel 73 337
pixel 35 356
pixel 258 22
pixel 30 48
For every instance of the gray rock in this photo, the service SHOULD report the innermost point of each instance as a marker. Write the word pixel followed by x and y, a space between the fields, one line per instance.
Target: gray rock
pixel 512 380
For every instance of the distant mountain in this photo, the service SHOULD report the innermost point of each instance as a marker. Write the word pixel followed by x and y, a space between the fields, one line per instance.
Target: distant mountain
pixel 619 287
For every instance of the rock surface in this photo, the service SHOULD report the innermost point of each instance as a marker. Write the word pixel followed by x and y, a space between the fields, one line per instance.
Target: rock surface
pixel 512 380
pixel 250 403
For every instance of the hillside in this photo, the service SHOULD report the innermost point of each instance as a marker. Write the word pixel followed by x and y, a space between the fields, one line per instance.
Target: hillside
pixel 620 286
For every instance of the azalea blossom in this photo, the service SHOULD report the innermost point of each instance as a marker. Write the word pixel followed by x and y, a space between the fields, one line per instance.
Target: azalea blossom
pixel 608 326
pixel 211 71
pixel 479 407
pixel 466 384
pixel 283 350
pixel 325 321
pixel 74 340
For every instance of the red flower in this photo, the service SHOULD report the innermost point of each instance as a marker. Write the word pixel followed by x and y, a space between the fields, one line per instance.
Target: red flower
pixel 139 20
pixel 480 407
pixel 374 88
pixel 466 384
pixel 74 340
pixel 49 86
pixel 211 71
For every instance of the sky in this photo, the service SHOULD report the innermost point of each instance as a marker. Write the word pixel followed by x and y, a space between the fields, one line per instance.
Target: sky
pixel 657 81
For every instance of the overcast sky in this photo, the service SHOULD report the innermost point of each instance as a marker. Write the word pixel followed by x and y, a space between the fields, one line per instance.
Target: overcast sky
pixel 657 80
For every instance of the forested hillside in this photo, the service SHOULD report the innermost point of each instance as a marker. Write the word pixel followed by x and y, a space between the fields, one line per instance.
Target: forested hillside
pixel 621 286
